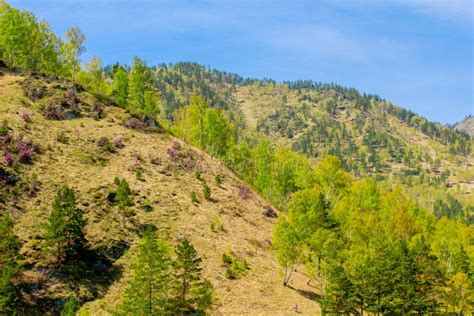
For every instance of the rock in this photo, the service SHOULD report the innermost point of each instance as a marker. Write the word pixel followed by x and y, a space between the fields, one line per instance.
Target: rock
pixel 270 212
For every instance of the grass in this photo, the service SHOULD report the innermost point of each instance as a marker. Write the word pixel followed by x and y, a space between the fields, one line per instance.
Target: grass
pixel 162 200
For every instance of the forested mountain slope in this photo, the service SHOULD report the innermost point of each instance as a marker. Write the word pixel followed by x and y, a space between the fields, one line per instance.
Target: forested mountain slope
pixel 142 190
pixel 87 152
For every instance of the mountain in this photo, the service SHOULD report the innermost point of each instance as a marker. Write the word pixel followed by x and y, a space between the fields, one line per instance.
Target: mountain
pixel 466 125
pixel 371 136
pixel 73 151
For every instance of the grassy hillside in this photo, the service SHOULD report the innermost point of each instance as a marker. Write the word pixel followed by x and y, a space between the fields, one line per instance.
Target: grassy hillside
pixel 71 153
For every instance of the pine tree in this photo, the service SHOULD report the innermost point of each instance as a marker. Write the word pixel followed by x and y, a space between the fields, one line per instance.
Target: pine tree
pixel 148 292
pixel 192 293
pixel 64 228
pixel 9 265
pixel 123 198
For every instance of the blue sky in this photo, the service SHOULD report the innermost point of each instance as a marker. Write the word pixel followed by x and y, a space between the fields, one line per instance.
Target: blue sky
pixel 415 53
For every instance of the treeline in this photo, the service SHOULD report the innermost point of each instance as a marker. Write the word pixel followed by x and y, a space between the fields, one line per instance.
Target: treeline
pixel 458 141
pixel 31 45
pixel 373 250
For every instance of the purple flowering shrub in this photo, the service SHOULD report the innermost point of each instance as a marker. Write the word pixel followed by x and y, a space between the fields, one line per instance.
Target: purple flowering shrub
pixel 17 149
pixel 181 159
pixel 53 114
pixel 244 192
pixel 26 117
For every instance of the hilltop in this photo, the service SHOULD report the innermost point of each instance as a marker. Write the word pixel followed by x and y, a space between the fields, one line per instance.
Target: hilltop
pixel 69 154
pixel 466 125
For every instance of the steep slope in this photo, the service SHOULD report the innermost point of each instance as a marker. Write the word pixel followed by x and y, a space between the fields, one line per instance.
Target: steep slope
pixel 466 125
pixel 369 135
pixel 73 152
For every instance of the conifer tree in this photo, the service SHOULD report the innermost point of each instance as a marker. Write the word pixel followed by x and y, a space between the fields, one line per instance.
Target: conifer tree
pixel 9 265
pixel 64 228
pixel 149 291
pixel 193 294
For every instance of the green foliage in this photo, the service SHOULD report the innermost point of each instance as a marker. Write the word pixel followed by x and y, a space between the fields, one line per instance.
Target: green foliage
pixel 194 198
pixel 65 225
pixel 71 306
pixel 216 225
pixel 27 43
pixel 71 49
pixel 4 128
pixel 9 265
pixel 120 87
pixel 235 268
pixel 205 127
pixel 193 293
pixel 149 291
pixel 206 191
pixel 143 99
pixel 218 180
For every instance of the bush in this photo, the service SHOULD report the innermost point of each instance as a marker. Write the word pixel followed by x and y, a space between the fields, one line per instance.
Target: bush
pixel 105 144
pixel 235 268
pixel 217 225
pixel 207 192
pixel 194 197
pixel 4 130
pixel 218 180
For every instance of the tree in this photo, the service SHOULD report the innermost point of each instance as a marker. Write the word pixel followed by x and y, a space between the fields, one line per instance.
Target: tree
pixel 120 87
pixel 142 97
pixel 71 306
pixel 192 294
pixel 148 292
pixel 9 265
pixel 64 228
pixel 338 297
pixel 287 246
pixel 71 49
pixel 27 43
pixel 123 198
pixel 218 133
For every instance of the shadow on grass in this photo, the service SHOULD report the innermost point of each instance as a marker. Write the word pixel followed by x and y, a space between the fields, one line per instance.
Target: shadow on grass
pixel 92 271
pixel 308 294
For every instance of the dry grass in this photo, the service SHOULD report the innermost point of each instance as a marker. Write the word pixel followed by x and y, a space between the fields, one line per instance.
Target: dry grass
pixel 81 164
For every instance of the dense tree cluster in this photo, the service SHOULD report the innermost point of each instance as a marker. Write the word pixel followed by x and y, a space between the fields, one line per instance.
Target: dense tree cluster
pixel 30 44
pixel 373 250
pixel 166 285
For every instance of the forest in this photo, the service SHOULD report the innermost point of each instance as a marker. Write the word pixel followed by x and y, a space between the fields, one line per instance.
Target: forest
pixel 368 242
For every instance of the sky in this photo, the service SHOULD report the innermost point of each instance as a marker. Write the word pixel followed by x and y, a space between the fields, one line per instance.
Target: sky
pixel 414 53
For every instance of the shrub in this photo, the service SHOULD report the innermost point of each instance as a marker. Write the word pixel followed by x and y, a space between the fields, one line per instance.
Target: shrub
pixel 139 175
pixel 194 197
pixel 4 128
pixel 62 137
pixel 118 142
pixel 244 192
pixel 53 114
pixel 218 180
pixel 207 192
pixel 105 144
pixel 26 117
pixel 217 225
pixel 235 268
pixel 8 159
pixel 197 173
